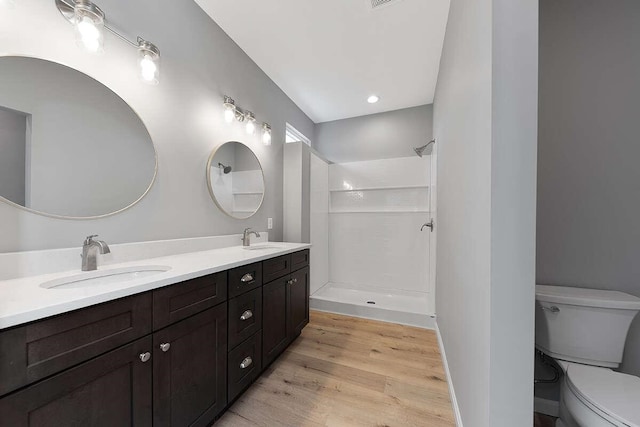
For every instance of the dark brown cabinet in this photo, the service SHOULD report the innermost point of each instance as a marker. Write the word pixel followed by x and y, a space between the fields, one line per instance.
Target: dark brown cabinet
pixel 275 319
pixel 299 301
pixel 174 356
pixel 189 370
pixel 111 390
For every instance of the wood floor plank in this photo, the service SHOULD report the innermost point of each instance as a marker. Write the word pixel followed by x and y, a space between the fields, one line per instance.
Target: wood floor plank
pixel 345 371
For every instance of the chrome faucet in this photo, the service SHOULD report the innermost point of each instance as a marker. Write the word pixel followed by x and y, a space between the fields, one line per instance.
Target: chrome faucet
pixel 246 236
pixel 90 250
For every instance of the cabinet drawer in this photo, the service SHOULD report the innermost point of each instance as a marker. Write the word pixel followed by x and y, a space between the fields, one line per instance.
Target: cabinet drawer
pixel 245 364
pixel 245 278
pixel 245 316
pixel 111 390
pixel 179 301
pixel 299 260
pixel 34 351
pixel 276 267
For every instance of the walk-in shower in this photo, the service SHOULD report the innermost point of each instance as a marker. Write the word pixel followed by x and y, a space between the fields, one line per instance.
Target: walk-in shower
pixel 420 151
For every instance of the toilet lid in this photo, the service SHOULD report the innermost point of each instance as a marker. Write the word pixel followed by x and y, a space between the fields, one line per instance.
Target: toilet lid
pixel 613 394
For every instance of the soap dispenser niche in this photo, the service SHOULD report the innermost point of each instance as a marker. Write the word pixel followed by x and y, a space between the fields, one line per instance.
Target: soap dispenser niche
pixel 235 180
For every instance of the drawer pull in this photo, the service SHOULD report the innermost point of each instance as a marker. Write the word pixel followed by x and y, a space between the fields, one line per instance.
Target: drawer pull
pixel 247 278
pixel 144 357
pixel 246 315
pixel 165 346
pixel 246 362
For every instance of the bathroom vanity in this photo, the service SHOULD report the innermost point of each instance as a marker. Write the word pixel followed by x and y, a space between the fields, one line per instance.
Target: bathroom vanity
pixel 172 352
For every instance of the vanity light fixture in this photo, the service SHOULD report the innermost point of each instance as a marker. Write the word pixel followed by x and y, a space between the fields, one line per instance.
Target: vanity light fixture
pixel 89 22
pixel 266 134
pixel 231 110
pixel 250 118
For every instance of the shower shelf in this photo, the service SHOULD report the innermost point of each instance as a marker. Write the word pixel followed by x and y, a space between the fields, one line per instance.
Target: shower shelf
pixel 399 187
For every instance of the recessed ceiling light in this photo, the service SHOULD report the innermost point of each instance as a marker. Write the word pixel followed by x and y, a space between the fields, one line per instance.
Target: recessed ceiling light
pixel 373 99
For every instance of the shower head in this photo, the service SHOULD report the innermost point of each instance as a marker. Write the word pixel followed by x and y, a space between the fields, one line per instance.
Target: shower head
pixel 225 169
pixel 420 150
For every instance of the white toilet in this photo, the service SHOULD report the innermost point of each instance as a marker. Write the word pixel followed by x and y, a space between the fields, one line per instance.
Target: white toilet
pixel 585 330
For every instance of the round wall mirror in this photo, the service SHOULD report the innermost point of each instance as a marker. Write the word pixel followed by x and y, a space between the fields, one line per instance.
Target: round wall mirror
pixel 69 146
pixel 235 180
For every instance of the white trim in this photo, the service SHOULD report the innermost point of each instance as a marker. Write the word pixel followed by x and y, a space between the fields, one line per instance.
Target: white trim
pixel 294 135
pixel 546 406
pixel 452 393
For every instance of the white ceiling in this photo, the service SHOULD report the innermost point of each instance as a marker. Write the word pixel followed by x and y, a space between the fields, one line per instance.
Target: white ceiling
pixel 328 56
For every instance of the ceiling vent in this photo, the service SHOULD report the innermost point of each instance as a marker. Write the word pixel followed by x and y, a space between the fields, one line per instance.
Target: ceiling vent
pixel 380 4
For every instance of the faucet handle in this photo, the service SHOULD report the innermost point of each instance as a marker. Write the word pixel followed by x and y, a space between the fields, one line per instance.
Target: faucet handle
pixel 89 239
pixel 247 229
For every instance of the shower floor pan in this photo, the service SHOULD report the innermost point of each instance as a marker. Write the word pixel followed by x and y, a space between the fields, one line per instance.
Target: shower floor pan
pixel 407 308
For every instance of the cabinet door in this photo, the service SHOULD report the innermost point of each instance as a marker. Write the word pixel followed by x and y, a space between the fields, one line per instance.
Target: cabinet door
pixel 111 390
pixel 189 370
pixel 275 319
pixel 299 301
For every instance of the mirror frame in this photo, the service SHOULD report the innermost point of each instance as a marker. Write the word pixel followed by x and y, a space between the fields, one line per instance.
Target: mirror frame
pixel 83 218
pixel 210 187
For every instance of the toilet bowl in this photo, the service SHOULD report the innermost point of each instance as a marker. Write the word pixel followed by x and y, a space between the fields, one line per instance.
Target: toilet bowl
pixel 595 397
pixel 584 331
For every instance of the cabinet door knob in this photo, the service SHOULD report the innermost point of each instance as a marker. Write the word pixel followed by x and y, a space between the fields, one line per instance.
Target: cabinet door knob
pixel 246 362
pixel 165 346
pixel 246 315
pixel 290 282
pixel 247 278
pixel 295 280
pixel 144 357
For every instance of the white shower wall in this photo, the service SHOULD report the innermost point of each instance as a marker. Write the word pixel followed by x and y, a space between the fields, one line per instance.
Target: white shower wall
pixel 319 225
pixel 376 211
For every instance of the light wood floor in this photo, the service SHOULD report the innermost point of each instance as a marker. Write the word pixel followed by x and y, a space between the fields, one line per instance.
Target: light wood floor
pixel 345 371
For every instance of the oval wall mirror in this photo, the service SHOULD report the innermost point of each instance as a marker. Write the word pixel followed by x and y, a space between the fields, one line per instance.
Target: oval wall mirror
pixel 235 179
pixel 69 146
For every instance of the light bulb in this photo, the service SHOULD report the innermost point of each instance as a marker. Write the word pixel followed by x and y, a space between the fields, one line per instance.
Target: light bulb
pixel 251 122
pixel 89 22
pixel 373 99
pixel 149 61
pixel 229 109
pixel 266 134
pixel 148 68
pixel 251 127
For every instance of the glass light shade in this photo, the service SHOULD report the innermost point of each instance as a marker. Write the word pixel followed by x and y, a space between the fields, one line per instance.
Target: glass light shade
pixel 266 134
pixel 149 62
pixel 251 123
pixel 229 112
pixel 89 23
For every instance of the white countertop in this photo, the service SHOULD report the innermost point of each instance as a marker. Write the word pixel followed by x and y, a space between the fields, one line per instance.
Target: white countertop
pixel 22 300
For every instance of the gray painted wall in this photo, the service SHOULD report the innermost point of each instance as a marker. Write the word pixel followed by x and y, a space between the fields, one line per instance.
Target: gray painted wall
pixel 485 125
pixel 184 115
pixel 13 130
pixel 588 174
pixel 376 136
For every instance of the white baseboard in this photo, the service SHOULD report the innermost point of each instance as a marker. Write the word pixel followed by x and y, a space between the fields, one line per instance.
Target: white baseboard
pixel 546 406
pixel 452 393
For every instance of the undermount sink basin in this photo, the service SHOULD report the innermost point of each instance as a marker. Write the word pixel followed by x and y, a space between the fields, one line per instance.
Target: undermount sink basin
pixel 260 247
pixel 105 277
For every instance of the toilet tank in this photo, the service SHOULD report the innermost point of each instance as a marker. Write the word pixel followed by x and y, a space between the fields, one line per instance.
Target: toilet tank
pixel 583 325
